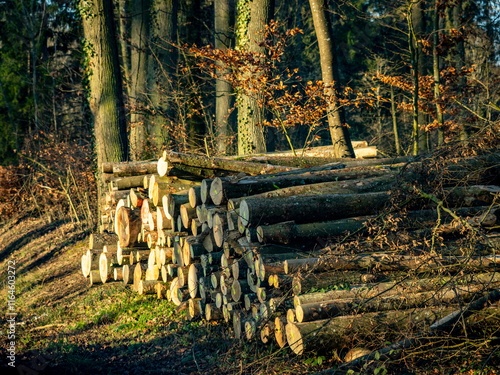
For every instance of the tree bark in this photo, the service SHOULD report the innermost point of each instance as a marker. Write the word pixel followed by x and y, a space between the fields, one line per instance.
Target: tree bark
pixel 162 66
pixel 441 297
pixel 132 168
pixel 106 95
pixel 97 241
pixel 223 22
pixel 331 333
pixel 138 76
pixel 225 164
pixel 251 114
pixel 393 288
pixel 329 70
pixel 308 209
pixel 275 187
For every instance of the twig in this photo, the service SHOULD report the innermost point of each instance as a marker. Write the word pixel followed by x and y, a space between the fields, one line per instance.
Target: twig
pixel 40 164
pixel 194 356
pixel 47 326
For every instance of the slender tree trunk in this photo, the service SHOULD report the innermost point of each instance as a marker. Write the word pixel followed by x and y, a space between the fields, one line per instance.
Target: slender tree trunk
pixel 123 14
pixel 395 122
pixel 106 100
pixel 30 25
pixel 195 120
pixel 413 46
pixel 329 70
pixel 224 20
pixel 460 13
pixel 138 78
pixel 164 28
pixel 256 14
pixel 419 29
pixel 435 66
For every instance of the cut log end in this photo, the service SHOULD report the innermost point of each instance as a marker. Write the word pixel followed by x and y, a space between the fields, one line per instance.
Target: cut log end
pixel 294 338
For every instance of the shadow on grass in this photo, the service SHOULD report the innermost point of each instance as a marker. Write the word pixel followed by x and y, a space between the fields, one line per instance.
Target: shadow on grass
pixel 19 243
pixel 37 262
pixel 172 353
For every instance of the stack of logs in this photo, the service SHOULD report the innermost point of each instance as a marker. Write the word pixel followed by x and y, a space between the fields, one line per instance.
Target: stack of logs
pixel 250 248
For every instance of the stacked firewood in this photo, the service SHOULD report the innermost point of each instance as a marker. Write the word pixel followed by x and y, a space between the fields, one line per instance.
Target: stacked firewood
pixel 264 247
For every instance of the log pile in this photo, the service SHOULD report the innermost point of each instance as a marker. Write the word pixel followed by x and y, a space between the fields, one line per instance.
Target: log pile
pixel 300 256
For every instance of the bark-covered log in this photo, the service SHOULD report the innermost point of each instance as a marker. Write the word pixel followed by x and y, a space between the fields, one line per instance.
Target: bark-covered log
pixel 391 262
pixel 289 187
pixel 307 209
pixel 162 222
pixel 291 232
pixel 302 283
pixel 455 295
pixel 98 240
pixel 330 334
pixel 267 332
pixel 118 273
pixel 126 183
pixel 196 307
pixel 147 287
pixel 95 278
pixel 224 164
pixel 319 152
pixel 397 287
pixel 130 168
pixel 175 169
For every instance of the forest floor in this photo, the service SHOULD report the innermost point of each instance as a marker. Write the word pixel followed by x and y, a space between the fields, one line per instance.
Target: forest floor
pixel 63 326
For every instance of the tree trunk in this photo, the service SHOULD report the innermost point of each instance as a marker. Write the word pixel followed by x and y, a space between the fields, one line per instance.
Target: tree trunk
pixel 252 18
pixel 414 64
pixel 123 14
pixel 223 23
pixel 329 70
pixel 138 76
pixel 436 73
pixel 163 63
pixel 106 96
